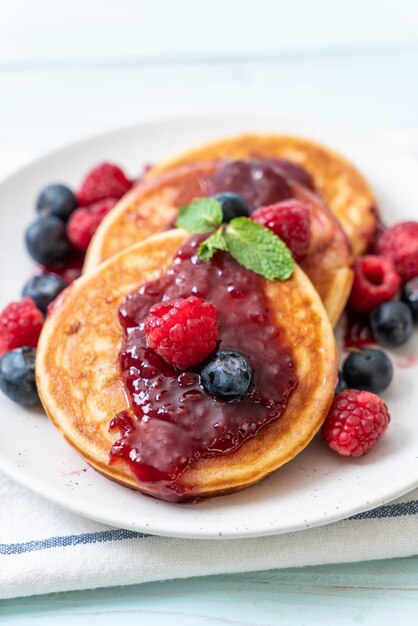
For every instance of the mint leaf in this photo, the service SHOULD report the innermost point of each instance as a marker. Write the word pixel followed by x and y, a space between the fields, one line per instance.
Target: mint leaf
pixel 258 249
pixel 200 216
pixel 213 243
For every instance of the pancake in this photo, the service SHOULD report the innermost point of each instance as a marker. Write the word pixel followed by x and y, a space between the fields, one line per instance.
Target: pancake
pixel 79 378
pixel 341 185
pixel 153 206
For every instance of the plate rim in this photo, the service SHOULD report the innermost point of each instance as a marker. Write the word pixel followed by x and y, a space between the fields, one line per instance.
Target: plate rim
pixel 65 500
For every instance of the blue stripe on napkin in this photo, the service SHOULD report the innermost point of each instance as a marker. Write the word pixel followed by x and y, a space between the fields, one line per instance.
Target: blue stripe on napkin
pixel 387 510
pixel 70 540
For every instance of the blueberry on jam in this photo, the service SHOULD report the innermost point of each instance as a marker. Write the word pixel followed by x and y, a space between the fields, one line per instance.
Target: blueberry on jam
pixel 233 205
pixel 228 375
pixel 257 182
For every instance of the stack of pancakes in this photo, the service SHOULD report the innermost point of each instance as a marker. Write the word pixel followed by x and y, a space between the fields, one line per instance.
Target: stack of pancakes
pixel 78 366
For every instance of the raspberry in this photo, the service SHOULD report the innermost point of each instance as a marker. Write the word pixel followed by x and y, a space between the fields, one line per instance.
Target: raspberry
pixel 20 325
pixel 375 282
pixel 183 332
pixel 355 422
pixel 102 207
pixel 400 244
pixel 104 181
pixel 81 227
pixel 84 222
pixel 290 220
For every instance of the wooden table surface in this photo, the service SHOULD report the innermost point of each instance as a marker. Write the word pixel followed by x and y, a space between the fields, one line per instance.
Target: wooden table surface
pixel 68 69
pixel 377 592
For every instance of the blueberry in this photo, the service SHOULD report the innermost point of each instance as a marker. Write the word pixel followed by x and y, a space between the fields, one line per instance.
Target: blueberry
pixel 391 323
pixel 368 369
pixel 341 384
pixel 410 296
pixel 17 376
pixel 233 205
pixel 46 240
pixel 43 289
pixel 228 375
pixel 56 200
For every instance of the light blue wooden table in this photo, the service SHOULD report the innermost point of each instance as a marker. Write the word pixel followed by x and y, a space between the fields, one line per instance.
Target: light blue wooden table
pixel 378 592
pixel 69 69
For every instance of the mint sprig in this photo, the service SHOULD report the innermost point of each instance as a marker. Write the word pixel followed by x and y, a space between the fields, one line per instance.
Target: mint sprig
pixel 255 247
pixel 213 243
pixel 201 216
pixel 258 249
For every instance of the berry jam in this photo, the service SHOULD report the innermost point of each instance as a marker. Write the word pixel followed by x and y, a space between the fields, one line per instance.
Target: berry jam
pixel 257 181
pixel 357 332
pixel 292 170
pixel 173 421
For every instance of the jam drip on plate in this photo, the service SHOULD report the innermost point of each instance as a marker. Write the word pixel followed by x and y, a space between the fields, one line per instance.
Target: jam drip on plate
pixel 173 421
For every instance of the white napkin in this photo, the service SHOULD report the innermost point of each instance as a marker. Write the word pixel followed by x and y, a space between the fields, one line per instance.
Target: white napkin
pixel 45 549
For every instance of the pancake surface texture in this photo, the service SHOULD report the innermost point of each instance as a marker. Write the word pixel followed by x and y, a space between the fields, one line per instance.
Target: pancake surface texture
pixel 341 185
pixel 79 378
pixel 153 206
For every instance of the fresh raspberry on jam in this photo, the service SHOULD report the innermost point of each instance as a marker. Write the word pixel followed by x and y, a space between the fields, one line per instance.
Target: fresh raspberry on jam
pixel 104 181
pixel 290 220
pixel 375 281
pixel 20 325
pixel 183 332
pixel 400 244
pixel 356 421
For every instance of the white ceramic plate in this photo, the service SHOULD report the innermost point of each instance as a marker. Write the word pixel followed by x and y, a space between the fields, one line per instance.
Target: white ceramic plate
pixel 318 486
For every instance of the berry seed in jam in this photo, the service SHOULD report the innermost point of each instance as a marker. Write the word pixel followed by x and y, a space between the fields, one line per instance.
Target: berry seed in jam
pixel 172 421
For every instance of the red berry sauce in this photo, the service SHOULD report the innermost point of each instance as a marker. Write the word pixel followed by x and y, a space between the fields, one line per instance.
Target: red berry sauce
pixel 257 181
pixel 292 170
pixel 69 270
pixel 173 421
pixel 358 333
